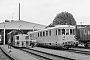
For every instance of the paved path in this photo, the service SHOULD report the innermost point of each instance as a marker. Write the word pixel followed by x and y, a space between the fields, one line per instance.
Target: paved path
pixel 20 55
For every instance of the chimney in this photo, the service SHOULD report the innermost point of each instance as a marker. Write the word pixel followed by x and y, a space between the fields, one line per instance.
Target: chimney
pixel 19 11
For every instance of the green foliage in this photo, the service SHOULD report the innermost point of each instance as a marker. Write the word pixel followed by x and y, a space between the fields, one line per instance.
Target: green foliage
pixel 63 18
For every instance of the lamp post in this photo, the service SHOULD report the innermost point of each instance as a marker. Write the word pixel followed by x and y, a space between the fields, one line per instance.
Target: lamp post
pixel 19 27
pixel 12 16
pixel 4 34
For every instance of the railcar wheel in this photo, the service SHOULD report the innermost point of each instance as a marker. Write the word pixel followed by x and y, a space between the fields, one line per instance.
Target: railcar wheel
pixel 76 45
pixel 66 47
pixel 86 45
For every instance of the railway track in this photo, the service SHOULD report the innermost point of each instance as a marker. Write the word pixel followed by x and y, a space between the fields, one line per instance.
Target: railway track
pixel 45 55
pixel 5 56
pixel 79 51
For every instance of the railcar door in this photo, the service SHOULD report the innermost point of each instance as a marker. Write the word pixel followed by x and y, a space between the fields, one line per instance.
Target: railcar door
pixel 61 35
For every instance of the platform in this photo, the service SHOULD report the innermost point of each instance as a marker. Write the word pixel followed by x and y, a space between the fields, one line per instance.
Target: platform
pixel 17 54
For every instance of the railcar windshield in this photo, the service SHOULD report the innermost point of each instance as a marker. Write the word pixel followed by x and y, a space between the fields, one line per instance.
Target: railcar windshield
pixel 17 37
pixel 26 37
pixel 72 31
pixel 67 31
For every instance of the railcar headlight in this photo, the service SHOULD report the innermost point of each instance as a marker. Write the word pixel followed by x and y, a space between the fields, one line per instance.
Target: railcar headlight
pixel 63 42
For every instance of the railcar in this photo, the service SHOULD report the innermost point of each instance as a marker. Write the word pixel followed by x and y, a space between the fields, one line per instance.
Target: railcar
pixel 1 39
pixel 58 36
pixel 21 40
pixel 83 35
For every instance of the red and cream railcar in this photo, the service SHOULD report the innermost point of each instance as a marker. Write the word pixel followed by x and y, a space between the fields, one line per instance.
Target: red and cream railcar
pixel 21 40
pixel 83 35
pixel 59 36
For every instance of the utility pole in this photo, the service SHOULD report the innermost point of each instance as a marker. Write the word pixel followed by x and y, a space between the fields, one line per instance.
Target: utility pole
pixel 19 11
pixel 4 34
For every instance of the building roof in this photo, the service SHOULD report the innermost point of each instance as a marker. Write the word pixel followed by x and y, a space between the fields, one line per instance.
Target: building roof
pixel 20 24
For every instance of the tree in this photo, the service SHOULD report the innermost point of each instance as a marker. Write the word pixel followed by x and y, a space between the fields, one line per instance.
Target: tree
pixel 63 18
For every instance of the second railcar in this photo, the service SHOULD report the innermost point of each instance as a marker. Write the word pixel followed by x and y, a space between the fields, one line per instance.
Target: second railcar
pixel 21 40
pixel 83 35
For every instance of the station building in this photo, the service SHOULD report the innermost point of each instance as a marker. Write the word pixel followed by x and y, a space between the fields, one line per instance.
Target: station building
pixel 6 27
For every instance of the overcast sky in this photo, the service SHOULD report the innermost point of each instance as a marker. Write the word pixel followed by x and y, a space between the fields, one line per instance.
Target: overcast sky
pixel 44 11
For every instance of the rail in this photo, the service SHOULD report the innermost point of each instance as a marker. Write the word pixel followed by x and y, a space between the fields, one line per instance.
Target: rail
pixel 45 55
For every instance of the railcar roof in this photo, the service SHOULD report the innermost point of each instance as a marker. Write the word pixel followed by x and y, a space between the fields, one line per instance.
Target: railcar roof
pixel 57 26
pixel 21 34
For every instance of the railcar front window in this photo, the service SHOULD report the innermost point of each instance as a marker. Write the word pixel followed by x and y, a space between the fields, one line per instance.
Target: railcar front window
pixel 63 31
pixel 26 37
pixel 17 37
pixel 67 31
pixel 46 33
pixel 71 32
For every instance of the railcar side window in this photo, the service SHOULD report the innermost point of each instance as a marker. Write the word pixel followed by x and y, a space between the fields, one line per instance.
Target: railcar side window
pixel 30 35
pixel 88 31
pixel 63 31
pixel 17 37
pixel 67 31
pixel 56 32
pixel 59 31
pixel 71 32
pixel 26 37
pixel 43 33
pixel 40 33
pixel 46 33
pixel 50 33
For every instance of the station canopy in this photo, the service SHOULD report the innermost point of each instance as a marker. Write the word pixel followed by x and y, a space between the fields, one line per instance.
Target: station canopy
pixel 20 24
